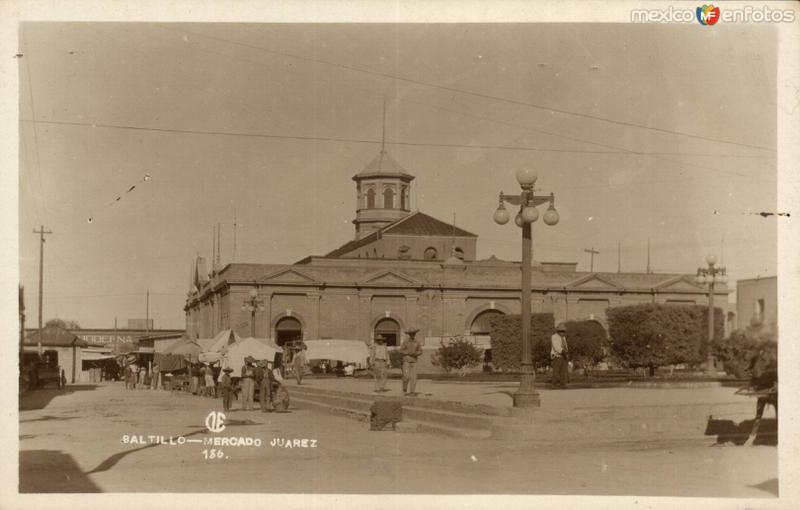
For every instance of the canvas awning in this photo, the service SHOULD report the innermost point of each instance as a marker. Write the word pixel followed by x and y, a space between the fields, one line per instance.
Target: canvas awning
pixel 95 355
pixel 222 339
pixel 348 351
pixel 233 355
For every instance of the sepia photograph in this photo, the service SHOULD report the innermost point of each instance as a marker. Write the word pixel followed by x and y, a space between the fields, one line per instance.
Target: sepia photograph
pixel 401 257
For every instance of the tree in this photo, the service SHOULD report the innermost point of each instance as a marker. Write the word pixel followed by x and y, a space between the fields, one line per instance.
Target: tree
pixel 506 334
pixel 61 323
pixel 651 335
pixel 459 355
pixel 737 351
pixel 585 340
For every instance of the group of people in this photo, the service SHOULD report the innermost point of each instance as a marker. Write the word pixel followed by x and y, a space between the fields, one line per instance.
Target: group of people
pixel 265 376
pixel 140 378
pixel 411 350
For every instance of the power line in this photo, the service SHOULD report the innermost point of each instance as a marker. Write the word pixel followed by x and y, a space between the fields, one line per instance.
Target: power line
pixel 313 138
pixel 479 94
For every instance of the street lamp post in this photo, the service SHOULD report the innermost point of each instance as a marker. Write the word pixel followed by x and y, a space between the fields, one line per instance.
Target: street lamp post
pixel 711 275
pixel 526 395
pixel 252 304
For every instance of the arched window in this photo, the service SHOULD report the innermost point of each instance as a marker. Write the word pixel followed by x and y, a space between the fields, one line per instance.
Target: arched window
pixel 388 198
pixel 482 325
pixel 390 330
pixel 459 253
pixel 431 253
pixel 288 330
pixel 370 198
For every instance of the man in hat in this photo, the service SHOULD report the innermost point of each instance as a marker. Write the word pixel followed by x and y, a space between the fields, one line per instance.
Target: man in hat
pixel 299 363
pixel 379 356
pixel 226 387
pixel 558 356
pixel 264 387
pixel 411 350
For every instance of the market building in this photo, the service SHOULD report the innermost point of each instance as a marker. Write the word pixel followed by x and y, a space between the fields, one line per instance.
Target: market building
pixel 406 269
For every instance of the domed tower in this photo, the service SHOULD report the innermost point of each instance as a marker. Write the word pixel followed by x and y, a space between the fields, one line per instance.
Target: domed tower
pixel 383 191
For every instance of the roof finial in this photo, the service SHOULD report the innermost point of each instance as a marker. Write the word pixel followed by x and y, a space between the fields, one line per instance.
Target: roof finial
pixel 383 132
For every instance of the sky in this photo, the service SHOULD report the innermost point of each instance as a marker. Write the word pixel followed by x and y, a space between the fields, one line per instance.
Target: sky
pixel 659 132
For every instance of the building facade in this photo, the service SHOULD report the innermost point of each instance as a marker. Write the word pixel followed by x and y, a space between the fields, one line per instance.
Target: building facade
pixel 407 269
pixel 756 301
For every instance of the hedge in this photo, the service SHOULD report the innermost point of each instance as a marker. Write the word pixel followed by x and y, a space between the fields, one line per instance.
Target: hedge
pixel 506 332
pixel 655 334
pixel 459 355
pixel 585 341
pixel 737 351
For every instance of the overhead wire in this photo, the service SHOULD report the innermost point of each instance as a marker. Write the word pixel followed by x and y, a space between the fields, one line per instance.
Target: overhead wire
pixel 475 94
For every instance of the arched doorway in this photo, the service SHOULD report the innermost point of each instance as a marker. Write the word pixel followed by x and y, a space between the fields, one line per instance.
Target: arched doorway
pixel 482 323
pixel 288 330
pixel 390 330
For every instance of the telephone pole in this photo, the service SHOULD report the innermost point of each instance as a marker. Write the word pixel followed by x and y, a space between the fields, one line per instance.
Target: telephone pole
pixel 619 256
pixel 147 312
pixel 593 252
pixel 42 232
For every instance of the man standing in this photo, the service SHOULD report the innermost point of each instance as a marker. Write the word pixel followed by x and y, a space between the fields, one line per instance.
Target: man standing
pixel 411 350
pixel 264 387
pixel 248 383
pixel 558 356
pixel 226 388
pixel 379 356
pixel 155 382
pixel 299 363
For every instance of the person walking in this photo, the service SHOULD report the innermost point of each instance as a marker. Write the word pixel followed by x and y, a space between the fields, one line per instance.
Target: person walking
pixel 411 350
pixel 558 357
pixel 226 388
pixel 248 383
pixel 194 384
pixel 299 363
pixel 379 357
pixel 142 377
pixel 128 373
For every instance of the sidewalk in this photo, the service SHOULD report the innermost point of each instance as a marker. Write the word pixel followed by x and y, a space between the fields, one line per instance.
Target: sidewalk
pixel 644 415
pixel 498 394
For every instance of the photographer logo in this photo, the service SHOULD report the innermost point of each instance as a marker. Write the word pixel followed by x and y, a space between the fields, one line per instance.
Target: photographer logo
pixel 215 422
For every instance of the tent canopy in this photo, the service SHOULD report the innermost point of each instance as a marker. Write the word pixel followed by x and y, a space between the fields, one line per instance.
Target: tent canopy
pixel 349 351
pixel 222 339
pixel 186 348
pixel 233 355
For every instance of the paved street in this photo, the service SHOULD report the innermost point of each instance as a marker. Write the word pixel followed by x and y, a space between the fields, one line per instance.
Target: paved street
pixel 73 441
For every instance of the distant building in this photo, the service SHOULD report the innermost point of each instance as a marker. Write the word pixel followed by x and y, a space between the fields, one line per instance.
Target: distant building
pixel 757 301
pixel 60 348
pixel 140 324
pixel 407 269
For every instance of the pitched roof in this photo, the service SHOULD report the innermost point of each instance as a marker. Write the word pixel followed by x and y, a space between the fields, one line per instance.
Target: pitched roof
pixel 383 165
pixel 418 224
pixel 56 336
pixel 421 224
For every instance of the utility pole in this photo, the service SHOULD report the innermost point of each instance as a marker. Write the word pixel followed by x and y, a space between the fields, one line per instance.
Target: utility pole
pixel 42 232
pixel 116 348
pixel 147 313
pixel 648 256
pixel 593 252
pixel 619 256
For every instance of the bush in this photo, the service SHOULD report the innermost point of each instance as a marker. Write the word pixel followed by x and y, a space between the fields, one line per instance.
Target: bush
pixel 459 355
pixel 507 332
pixel 652 335
pixel 737 351
pixel 585 341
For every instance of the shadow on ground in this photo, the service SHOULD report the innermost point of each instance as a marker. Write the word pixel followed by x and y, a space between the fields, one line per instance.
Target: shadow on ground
pixel 38 399
pixel 51 471
pixel 728 431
